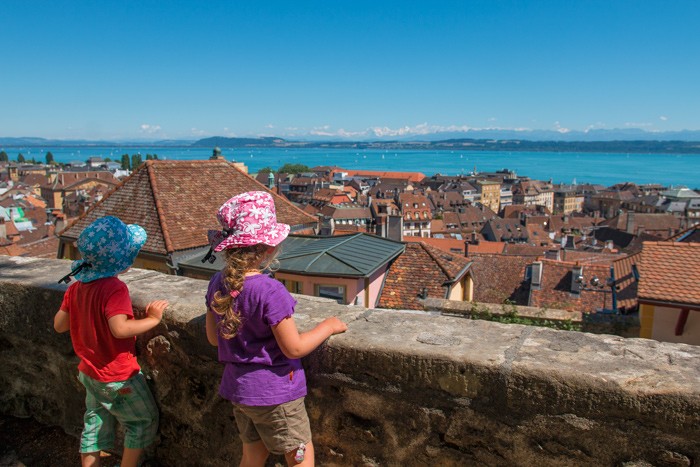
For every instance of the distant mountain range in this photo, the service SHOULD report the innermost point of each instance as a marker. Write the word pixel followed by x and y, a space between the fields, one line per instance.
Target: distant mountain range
pixel 621 140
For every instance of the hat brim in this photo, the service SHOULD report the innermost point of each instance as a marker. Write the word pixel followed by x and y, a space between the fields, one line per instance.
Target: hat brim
pixel 273 236
pixel 110 266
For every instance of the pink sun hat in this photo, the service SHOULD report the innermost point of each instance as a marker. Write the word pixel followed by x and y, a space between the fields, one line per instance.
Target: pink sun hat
pixel 248 219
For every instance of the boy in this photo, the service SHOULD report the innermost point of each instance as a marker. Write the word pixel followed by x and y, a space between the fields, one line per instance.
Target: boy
pixel 98 313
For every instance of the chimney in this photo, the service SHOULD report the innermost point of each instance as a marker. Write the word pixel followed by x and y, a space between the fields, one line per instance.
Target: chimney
pixel 630 222
pixel 576 279
pixel 536 277
pixel 609 244
pixel 3 229
pixel 466 249
pixel 474 239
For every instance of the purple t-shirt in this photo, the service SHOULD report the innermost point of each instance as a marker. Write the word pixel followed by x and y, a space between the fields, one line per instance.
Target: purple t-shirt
pixel 256 372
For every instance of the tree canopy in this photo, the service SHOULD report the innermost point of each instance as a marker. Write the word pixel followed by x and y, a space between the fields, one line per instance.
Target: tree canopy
pixel 3 156
pixel 49 158
pixel 20 157
pixel 294 168
pixel 135 161
pixel 125 162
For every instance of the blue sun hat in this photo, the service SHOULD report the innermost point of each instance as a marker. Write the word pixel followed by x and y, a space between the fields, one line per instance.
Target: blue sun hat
pixel 108 246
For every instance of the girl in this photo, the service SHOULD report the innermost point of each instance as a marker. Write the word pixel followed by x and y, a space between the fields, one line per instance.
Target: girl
pixel 250 319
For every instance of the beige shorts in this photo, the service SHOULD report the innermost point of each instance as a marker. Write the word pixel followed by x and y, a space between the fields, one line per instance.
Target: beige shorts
pixel 282 428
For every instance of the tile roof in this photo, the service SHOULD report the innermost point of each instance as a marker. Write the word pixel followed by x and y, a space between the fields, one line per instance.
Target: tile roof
pixel 176 202
pixel 649 222
pixel 420 266
pixel 555 289
pixel 449 245
pixel 410 176
pixel 66 180
pixel 11 249
pixel 625 280
pixel 498 278
pixel 670 272
pixel 353 211
pixel 486 247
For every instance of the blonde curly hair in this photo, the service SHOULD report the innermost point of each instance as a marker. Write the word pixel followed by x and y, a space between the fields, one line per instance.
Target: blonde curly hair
pixel 239 261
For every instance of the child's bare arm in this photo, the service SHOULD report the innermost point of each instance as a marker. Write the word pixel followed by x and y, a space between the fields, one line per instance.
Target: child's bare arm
pixel 295 345
pixel 61 322
pixel 122 327
pixel 211 329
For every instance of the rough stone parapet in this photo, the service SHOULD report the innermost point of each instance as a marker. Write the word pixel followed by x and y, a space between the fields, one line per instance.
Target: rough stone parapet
pixel 399 388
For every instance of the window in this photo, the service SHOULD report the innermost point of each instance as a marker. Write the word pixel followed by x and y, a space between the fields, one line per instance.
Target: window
pixel 292 286
pixel 335 292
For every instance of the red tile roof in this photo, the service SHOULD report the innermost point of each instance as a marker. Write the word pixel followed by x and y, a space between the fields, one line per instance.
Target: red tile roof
pixel 670 272
pixel 498 278
pixel 486 247
pixel 449 245
pixel 420 266
pixel 410 176
pixel 11 249
pixel 176 202
pixel 65 180
pixel 555 289
pixel 625 280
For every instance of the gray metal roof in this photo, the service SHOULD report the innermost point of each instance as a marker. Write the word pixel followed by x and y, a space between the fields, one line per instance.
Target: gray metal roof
pixel 356 255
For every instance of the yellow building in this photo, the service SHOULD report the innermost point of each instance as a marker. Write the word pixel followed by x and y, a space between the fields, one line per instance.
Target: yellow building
pixel 490 194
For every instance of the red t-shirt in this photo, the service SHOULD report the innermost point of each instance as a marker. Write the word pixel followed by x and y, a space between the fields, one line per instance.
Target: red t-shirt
pixel 102 356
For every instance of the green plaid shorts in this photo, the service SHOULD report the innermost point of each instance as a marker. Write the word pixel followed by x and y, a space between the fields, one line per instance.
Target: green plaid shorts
pixel 129 402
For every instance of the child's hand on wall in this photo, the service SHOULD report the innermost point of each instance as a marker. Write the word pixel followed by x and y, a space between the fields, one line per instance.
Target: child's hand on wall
pixel 155 309
pixel 335 325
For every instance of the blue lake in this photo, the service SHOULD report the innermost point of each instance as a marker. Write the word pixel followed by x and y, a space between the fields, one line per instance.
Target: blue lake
pixel 603 168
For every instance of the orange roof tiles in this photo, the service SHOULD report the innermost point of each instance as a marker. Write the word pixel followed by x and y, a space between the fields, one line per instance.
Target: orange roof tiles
pixel 420 266
pixel 449 245
pixel 498 278
pixel 625 280
pixel 486 247
pixel 410 176
pixel 555 288
pixel 670 272
pixel 176 202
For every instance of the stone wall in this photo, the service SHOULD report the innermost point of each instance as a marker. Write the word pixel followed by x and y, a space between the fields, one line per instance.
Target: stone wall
pixel 399 388
pixel 597 323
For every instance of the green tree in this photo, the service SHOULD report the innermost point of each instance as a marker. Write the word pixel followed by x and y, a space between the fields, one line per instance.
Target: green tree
pixel 108 159
pixel 49 158
pixel 294 168
pixel 155 157
pixel 3 157
pixel 20 157
pixel 266 170
pixel 149 157
pixel 135 161
pixel 125 162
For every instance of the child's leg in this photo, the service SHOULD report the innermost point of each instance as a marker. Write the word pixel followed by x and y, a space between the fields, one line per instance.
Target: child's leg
pixel 308 457
pixel 130 457
pixel 98 424
pixel 136 410
pixel 90 459
pixel 254 454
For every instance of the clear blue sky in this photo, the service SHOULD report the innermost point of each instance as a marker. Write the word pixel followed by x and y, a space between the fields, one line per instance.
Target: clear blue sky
pixel 186 69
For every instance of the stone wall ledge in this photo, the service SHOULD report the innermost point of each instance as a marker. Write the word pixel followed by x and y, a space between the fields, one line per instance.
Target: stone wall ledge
pixel 399 388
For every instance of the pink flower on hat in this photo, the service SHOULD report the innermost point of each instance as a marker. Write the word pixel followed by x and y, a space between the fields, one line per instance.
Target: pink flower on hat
pixel 248 219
